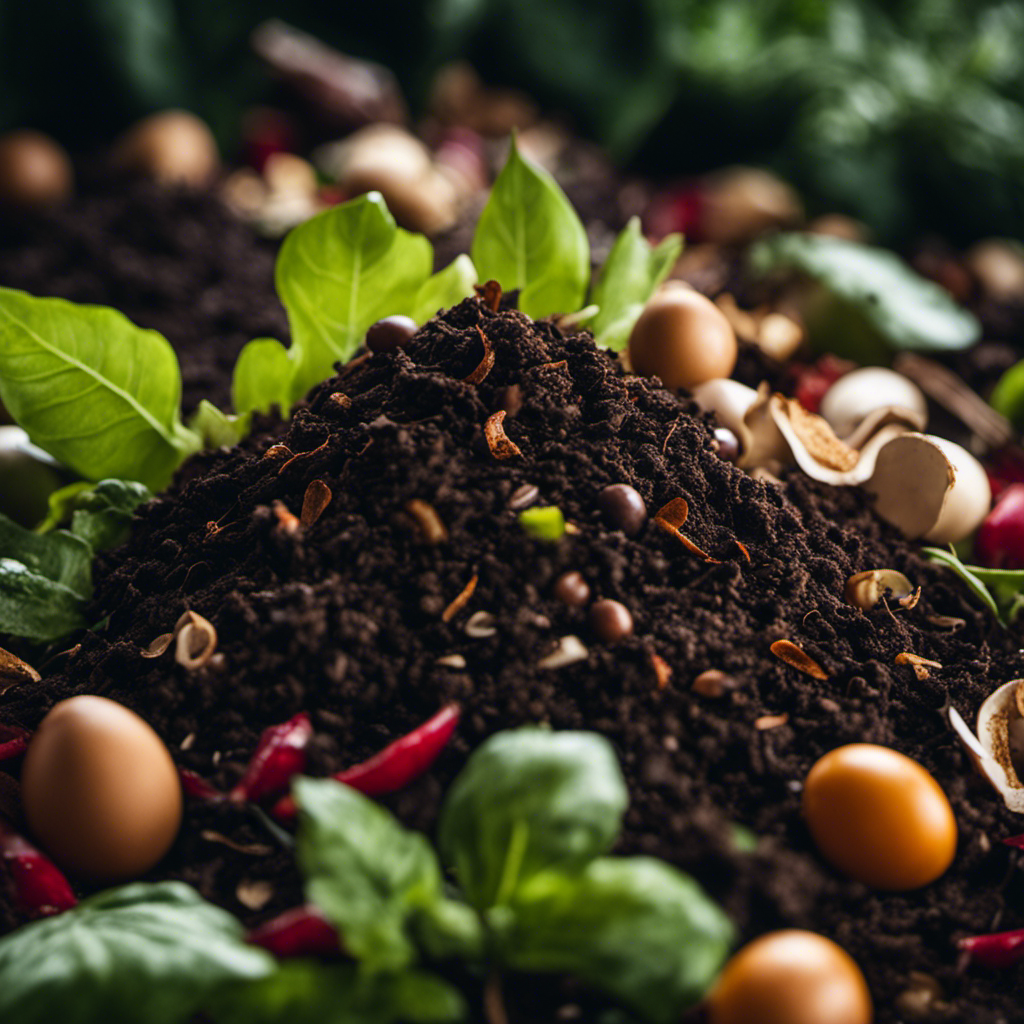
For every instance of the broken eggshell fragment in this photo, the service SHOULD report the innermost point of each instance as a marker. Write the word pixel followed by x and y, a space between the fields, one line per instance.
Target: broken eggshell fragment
pixel 997 749
pixel 861 393
pixel 865 589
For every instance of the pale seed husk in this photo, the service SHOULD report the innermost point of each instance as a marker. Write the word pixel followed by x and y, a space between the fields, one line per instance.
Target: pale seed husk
pixel 481 625
pixel 787 651
pixel 865 589
pixel 570 649
pixel 196 643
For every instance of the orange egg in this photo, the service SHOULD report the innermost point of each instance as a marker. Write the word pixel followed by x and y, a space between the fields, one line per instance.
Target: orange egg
pixel 790 977
pixel 683 338
pixel 879 817
pixel 100 791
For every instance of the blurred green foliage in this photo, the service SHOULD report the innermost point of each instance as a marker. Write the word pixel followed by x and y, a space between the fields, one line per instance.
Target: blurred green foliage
pixel 906 113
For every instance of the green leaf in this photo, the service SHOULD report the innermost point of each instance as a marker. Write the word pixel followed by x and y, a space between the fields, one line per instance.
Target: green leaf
pixel 529 800
pixel 340 272
pixel 969 574
pixel 871 297
pixel 98 393
pixel 61 504
pixel 1008 395
pixel 634 927
pixel 303 992
pixel 529 237
pixel 58 556
pixel 444 289
pixel 366 873
pixel 143 952
pixel 629 277
pixel 262 378
pixel 103 514
pixel 217 429
pixel 35 607
pixel 544 523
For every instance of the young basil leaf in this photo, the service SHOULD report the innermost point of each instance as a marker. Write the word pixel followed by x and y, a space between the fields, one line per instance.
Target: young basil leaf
pixel 143 952
pixel 870 299
pixel 262 378
pixel 1008 395
pixel 98 393
pixel 217 429
pixel 340 272
pixel 528 800
pixel 35 607
pixel 444 289
pixel 367 873
pixel 967 573
pixel 102 514
pixel 59 556
pixel 629 277
pixel 529 237
pixel 633 926
pixel 304 992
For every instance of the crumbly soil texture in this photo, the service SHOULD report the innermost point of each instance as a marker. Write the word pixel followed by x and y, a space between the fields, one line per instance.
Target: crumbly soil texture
pixel 345 619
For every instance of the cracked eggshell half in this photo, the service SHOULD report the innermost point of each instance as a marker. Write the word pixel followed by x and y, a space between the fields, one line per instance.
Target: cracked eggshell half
pixel 858 394
pixel 969 499
pixel 911 479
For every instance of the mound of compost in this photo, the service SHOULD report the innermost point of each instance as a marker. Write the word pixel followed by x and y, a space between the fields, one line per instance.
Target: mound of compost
pixel 347 618
pixel 173 259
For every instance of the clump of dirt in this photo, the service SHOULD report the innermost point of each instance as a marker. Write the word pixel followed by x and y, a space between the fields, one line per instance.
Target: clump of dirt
pixel 345 619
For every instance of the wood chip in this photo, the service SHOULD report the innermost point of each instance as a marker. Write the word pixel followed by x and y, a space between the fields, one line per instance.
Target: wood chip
pixel 490 295
pixel 481 625
pixel 787 651
pixel 770 722
pixel 497 440
pixel 287 523
pixel 461 601
pixel 570 649
pixel 671 517
pixel 428 522
pixel 662 670
pixel 158 646
pixel 486 364
pixel 252 849
pixel 197 640
pixel 14 671
pixel 714 683
pixel 918 664
pixel 317 497
pixel 254 895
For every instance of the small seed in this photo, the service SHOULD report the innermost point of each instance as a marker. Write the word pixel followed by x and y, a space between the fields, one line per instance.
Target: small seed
pixel 481 625
pixel 611 621
pixel 461 601
pixel 317 497
pixel 278 451
pixel 787 651
pixel 727 443
pixel 713 683
pixel 523 497
pixel 454 660
pixel 254 895
pixel 431 529
pixel 662 670
pixel 570 649
pixel 390 334
pixel 766 722
pixel 158 646
pixel 340 399
pixel 623 508
pixel 572 589
pixel 197 640
pixel 501 446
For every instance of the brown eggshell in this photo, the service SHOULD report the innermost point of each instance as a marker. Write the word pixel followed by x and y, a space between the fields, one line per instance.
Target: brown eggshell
pixel 683 338
pixel 879 817
pixel 34 170
pixel 791 977
pixel 173 147
pixel 100 791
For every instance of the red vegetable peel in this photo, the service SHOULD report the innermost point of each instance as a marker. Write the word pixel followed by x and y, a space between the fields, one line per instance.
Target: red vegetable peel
pixel 281 753
pixel 1001 949
pixel 40 888
pixel 302 931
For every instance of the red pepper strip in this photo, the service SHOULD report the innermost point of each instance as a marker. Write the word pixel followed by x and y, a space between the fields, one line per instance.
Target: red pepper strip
pixel 1003 949
pixel 303 931
pixel 196 786
pixel 1017 841
pixel 14 747
pixel 40 889
pixel 280 754
pixel 397 764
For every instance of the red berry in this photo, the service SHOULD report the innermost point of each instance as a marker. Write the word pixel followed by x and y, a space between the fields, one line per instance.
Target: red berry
pixel 1000 539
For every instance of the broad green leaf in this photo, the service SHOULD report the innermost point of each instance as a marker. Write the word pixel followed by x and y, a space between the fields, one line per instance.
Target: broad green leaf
pixel 633 926
pixel 35 607
pixel 98 393
pixel 262 378
pixel 103 514
pixel 304 992
pixel 1008 395
pixel 629 277
pixel 529 237
pixel 217 429
pixel 529 800
pixel 143 952
pixel 445 289
pixel 870 299
pixel 367 873
pixel 58 556
pixel 340 272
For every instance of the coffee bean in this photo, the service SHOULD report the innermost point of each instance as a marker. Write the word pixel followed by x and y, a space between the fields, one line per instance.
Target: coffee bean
pixel 623 508
pixel 523 497
pixel 390 334
pixel 728 444
pixel 611 621
pixel 572 589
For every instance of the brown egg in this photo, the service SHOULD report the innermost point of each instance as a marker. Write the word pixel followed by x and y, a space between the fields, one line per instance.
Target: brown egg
pixel 790 977
pixel 34 170
pixel 100 791
pixel 683 338
pixel 173 147
pixel 879 817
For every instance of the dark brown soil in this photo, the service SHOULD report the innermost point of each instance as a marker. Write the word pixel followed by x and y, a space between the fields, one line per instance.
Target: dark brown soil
pixel 344 620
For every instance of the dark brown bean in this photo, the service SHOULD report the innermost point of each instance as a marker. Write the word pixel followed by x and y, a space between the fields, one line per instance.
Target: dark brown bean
pixel 523 497
pixel 728 444
pixel 390 334
pixel 623 508
pixel 572 589
pixel 611 621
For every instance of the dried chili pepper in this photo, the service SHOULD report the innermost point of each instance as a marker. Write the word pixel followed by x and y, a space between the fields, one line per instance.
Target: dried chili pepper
pixel 302 931
pixel 195 785
pixel 1001 949
pixel 397 764
pixel 40 888
pixel 280 754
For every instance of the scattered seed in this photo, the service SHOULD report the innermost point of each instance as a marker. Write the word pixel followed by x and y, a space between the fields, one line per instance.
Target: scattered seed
pixel 454 660
pixel 662 672
pixel 287 523
pixel 950 622
pixel 572 589
pixel 497 440
pixel 340 399
pixel 197 640
pixel 713 682
pixel 14 671
pixel 390 334
pixel 766 722
pixel 252 849
pixel 623 508
pixel 865 589
pixel 523 497
pixel 671 517
pixel 278 451
pixel 432 530
pixel 787 651
pixel 254 895
pixel 461 601
pixel 611 621
pixel 570 649
pixel 317 497
pixel 481 625
pixel 484 367
pixel 490 295
pixel 188 742
pixel 918 664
